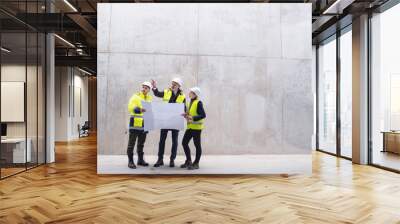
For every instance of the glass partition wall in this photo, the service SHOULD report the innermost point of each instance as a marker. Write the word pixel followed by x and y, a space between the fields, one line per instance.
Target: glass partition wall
pixel 13 86
pixel 22 78
pixel 334 107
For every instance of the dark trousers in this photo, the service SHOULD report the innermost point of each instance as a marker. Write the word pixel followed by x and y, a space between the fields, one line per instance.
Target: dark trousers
pixel 196 135
pixel 161 145
pixel 140 135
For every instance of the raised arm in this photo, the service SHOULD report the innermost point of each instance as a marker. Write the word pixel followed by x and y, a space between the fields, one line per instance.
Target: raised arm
pixel 158 93
pixel 155 90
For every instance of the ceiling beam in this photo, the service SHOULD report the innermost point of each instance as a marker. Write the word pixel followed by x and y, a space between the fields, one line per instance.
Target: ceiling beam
pixel 82 61
pixel 84 24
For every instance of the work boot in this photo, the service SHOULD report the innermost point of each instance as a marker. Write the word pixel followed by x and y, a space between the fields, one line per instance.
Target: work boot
pixel 186 164
pixel 131 165
pixel 159 163
pixel 171 163
pixel 141 161
pixel 193 166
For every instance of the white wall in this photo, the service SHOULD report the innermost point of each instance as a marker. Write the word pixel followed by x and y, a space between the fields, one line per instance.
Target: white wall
pixel 12 73
pixel 69 81
pixel 79 117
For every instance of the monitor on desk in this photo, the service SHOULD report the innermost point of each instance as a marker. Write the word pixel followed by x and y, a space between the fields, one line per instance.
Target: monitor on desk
pixel 3 130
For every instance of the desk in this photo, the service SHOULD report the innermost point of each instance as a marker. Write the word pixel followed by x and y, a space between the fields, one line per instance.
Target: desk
pixel 13 150
pixel 391 141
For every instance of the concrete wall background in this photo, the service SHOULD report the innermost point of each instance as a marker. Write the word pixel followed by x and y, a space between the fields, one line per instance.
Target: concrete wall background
pixel 252 62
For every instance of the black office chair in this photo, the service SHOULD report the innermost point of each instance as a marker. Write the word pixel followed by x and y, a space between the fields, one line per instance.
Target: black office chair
pixel 84 130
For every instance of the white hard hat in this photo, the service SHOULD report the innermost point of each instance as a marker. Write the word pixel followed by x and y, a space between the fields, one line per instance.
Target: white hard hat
pixel 178 80
pixel 146 84
pixel 196 90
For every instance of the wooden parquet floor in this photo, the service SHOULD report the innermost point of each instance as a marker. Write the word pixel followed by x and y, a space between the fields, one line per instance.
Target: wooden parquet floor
pixel 70 191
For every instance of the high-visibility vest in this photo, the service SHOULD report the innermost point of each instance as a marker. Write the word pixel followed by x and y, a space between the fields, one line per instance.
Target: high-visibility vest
pixel 136 119
pixel 195 125
pixel 168 94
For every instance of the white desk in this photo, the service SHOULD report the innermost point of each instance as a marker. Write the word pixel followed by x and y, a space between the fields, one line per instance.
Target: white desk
pixel 18 150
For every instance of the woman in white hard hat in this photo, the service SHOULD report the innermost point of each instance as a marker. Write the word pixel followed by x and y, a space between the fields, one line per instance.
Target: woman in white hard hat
pixel 172 94
pixel 136 124
pixel 195 123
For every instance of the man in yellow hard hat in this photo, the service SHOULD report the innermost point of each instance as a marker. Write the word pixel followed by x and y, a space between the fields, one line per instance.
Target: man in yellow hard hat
pixel 172 94
pixel 136 124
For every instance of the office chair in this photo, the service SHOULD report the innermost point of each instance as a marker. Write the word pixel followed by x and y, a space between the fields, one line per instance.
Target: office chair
pixel 84 130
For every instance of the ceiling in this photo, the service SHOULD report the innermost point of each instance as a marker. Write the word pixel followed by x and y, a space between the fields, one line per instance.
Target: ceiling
pixel 75 21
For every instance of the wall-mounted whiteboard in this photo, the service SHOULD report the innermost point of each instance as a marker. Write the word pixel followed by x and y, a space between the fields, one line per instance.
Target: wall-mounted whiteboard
pixel 12 101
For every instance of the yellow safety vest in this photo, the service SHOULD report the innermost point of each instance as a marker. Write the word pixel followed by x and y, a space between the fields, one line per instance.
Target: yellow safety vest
pixel 195 125
pixel 136 120
pixel 168 94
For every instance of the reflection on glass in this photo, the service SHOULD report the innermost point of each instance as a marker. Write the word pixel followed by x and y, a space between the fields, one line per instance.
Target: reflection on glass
pixel 14 153
pixel 386 89
pixel 22 90
pixel 31 101
pixel 41 98
pixel 346 93
pixel 327 96
pixel 33 73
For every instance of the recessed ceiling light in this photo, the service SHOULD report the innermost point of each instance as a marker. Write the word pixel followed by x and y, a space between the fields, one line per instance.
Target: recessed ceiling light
pixel 335 7
pixel 84 71
pixel 64 40
pixel 5 50
pixel 70 5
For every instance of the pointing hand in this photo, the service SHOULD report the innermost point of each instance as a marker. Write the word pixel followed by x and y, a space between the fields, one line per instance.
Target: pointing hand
pixel 153 83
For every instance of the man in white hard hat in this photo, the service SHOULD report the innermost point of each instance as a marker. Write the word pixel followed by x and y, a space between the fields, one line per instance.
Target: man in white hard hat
pixel 173 94
pixel 136 124
pixel 195 116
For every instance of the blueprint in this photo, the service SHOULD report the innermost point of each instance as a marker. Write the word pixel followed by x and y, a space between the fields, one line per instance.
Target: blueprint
pixel 161 115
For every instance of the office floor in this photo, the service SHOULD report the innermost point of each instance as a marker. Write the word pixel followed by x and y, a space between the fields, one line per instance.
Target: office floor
pixel 8 171
pixel 386 159
pixel 211 164
pixel 70 191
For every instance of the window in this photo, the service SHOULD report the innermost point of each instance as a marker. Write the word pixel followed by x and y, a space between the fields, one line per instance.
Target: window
pixel 385 89
pixel 334 138
pixel 346 93
pixel 327 96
